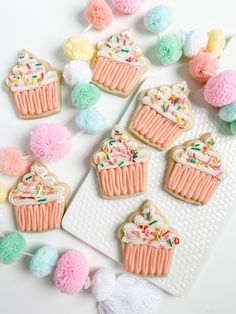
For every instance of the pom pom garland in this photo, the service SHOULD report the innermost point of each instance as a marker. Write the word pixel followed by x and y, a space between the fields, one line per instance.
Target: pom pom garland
pixel 228 113
pixel 98 14
pixel 158 19
pixel 195 41
pixel 12 162
pixel 77 72
pixel 169 49
pixel 90 120
pixel 3 192
pixel 85 95
pixel 78 49
pixel 127 6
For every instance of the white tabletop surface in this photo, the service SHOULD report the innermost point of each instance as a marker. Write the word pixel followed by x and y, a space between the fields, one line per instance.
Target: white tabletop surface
pixel 42 27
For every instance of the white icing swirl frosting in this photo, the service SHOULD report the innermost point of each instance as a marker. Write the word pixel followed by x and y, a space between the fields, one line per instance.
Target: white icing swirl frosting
pixel 118 151
pixel 38 187
pixel 122 48
pixel 202 155
pixel 171 102
pixel 29 73
pixel 151 228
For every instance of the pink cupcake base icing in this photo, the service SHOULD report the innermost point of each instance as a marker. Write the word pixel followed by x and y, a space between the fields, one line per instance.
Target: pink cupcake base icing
pixel 32 218
pixel 115 76
pixel 191 184
pixel 123 181
pixel 152 126
pixel 147 260
pixel 35 103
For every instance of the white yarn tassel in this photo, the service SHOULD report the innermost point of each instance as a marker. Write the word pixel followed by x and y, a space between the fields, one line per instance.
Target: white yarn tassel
pixel 126 294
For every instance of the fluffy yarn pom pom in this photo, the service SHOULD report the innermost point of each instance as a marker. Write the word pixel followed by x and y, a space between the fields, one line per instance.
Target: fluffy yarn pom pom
pixel 169 49
pixel 85 95
pixel 216 42
pixel 228 113
pixel 3 192
pixel 220 90
pixel 12 247
pixel 203 66
pixel 99 14
pixel 158 19
pixel 50 142
pixel 78 49
pixel 195 41
pixel 77 72
pixel 44 261
pixel 12 162
pixel 71 272
pixel 127 6
pixel 233 128
pixel 90 121
pixel 103 284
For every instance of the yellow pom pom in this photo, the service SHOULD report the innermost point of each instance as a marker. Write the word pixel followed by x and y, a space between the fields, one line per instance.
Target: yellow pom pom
pixel 216 42
pixel 3 192
pixel 78 49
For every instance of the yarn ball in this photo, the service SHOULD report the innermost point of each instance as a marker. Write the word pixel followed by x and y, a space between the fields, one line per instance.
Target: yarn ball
pixel 90 121
pixel 127 6
pixel 233 127
pixel 12 247
pixel 12 162
pixel 79 49
pixel 158 19
pixel 99 14
pixel 195 41
pixel 44 261
pixel 220 90
pixel 85 95
pixel 3 192
pixel 103 284
pixel 169 49
pixel 71 272
pixel 50 142
pixel 228 113
pixel 203 66
pixel 216 42
pixel 77 72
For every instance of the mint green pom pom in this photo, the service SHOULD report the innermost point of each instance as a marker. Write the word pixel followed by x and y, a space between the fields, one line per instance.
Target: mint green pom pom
pixel 90 121
pixel 85 96
pixel 233 127
pixel 44 261
pixel 158 19
pixel 228 113
pixel 169 49
pixel 12 247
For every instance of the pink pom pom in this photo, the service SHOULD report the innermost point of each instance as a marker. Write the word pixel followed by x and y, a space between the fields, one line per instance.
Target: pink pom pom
pixel 12 162
pixel 71 272
pixel 203 66
pixel 127 6
pixel 99 14
pixel 220 90
pixel 50 142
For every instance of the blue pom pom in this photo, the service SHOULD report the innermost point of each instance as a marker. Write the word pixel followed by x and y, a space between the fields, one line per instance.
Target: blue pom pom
pixel 158 18
pixel 228 113
pixel 90 121
pixel 44 261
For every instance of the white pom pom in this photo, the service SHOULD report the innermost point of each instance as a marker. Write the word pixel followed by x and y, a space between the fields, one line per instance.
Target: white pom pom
pixel 103 284
pixel 194 42
pixel 77 72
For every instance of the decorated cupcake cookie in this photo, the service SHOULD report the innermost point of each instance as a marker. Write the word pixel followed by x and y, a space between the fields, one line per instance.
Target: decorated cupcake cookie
pixel 147 242
pixel 35 87
pixel 163 114
pixel 121 166
pixel 39 200
pixel 119 64
pixel 194 170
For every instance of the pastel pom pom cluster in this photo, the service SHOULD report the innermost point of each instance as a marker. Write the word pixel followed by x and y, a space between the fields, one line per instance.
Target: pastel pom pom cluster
pixel 158 19
pixel 99 14
pixel 169 49
pixel 127 6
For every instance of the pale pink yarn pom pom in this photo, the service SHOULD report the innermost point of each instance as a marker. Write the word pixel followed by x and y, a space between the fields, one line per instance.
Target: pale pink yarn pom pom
pixel 220 90
pixel 99 14
pixel 50 142
pixel 12 162
pixel 127 6
pixel 203 66
pixel 71 272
